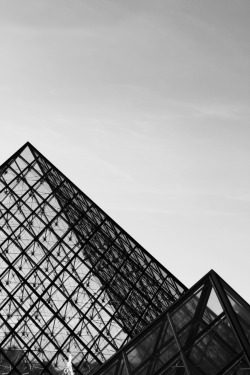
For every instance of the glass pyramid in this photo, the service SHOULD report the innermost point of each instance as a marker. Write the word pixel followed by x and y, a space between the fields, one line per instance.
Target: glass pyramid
pixel 73 284
pixel 205 332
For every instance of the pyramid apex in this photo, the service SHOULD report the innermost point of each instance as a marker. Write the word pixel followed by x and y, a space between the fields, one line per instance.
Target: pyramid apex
pixel 28 144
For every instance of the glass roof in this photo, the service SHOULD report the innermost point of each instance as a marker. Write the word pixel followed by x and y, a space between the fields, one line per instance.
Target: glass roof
pixel 72 282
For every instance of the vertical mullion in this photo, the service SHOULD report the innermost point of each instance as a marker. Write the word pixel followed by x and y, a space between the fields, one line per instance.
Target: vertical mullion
pixel 231 314
pixel 184 359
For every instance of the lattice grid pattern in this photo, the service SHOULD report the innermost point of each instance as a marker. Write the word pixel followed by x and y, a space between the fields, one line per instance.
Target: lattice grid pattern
pixel 206 332
pixel 71 280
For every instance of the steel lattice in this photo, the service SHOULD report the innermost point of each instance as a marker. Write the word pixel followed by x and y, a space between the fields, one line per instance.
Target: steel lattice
pixel 72 281
pixel 206 332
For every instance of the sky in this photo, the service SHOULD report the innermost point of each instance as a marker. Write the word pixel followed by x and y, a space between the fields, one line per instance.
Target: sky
pixel 145 106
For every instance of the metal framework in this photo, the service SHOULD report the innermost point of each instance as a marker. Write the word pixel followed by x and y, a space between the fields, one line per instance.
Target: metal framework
pixel 206 332
pixel 72 282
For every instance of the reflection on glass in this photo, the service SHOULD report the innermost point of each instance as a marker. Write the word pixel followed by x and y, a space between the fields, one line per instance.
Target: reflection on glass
pixel 216 349
pixel 15 361
pixel 243 314
pixel 240 368
pixel 112 370
pixel 185 313
pixel 203 338
pixel 199 312
pixel 143 349
pixel 175 368
pixel 154 351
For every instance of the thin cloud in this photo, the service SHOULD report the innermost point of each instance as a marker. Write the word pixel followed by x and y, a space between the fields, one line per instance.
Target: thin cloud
pixel 220 111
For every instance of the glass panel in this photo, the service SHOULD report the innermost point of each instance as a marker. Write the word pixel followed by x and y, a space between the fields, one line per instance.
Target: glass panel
pixel 167 336
pixel 143 349
pixel 175 368
pixel 212 311
pixel 185 313
pixel 154 351
pixel 216 349
pixel 243 314
pixel 183 335
pixel 62 286
pixel 166 349
pixel 84 367
pixel 240 368
pixel 214 307
pixel 123 369
pixel 13 358
pixel 112 370
pixel 165 354
pixel 207 309
pixel 145 369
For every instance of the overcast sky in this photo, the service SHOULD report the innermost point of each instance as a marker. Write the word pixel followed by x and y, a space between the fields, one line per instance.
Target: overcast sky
pixel 145 105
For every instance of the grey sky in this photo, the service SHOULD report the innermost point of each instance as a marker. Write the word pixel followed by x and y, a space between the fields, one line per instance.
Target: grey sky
pixel 150 101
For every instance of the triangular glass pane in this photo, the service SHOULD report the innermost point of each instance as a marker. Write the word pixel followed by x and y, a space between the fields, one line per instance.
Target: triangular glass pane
pixel 214 305
pixel 212 310
pixel 27 155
